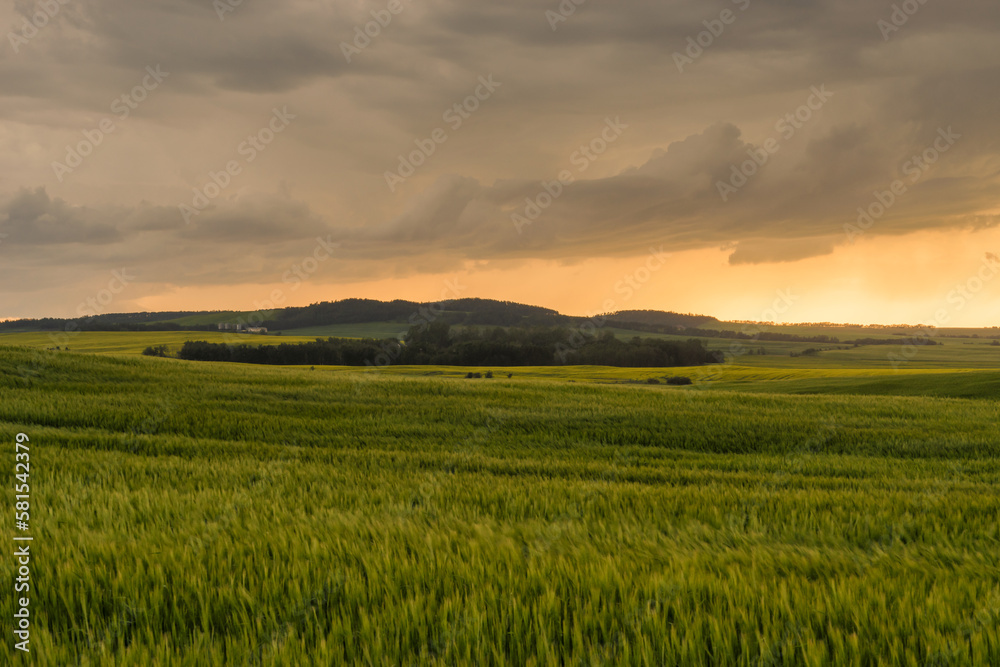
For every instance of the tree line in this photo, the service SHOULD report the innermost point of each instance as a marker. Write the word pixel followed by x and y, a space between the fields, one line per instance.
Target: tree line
pixel 769 336
pixel 438 343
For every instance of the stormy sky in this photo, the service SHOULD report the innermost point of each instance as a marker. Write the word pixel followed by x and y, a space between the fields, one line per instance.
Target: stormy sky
pixel 586 156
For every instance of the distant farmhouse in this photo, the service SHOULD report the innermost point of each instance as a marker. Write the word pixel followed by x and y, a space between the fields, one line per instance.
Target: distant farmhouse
pixel 242 328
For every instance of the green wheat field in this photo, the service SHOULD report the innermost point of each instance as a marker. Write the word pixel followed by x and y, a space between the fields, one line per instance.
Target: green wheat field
pixel 779 511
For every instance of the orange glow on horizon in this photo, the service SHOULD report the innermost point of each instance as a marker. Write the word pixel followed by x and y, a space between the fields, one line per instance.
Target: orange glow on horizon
pixel 879 280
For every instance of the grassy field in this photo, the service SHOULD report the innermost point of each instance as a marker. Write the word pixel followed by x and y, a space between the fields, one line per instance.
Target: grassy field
pixel 253 318
pixel 953 353
pixel 114 342
pixel 366 330
pixel 847 332
pixel 199 513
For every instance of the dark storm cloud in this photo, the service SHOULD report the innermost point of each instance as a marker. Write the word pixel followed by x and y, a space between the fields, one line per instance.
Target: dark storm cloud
pixel 891 98
pixel 793 211
pixel 228 244
pixel 32 218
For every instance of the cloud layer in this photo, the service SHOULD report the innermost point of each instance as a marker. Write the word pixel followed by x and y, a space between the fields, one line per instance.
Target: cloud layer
pixel 786 119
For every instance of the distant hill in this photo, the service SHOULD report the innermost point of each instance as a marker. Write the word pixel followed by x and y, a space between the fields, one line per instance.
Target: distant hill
pixel 161 321
pixel 659 318
pixel 460 312
pixel 348 311
pixel 468 312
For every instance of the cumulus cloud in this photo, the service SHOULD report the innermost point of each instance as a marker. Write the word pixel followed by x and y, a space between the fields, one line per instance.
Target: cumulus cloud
pixel 32 218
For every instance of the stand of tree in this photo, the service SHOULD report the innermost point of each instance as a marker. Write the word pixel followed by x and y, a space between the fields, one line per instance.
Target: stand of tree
pixel 645 326
pixel 775 336
pixel 468 312
pixel 915 340
pixel 437 344
pixel 659 319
